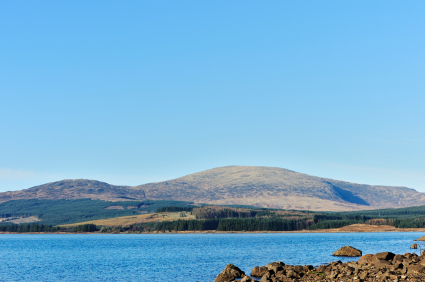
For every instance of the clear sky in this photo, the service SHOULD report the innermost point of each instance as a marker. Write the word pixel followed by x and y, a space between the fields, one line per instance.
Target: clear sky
pixel 131 92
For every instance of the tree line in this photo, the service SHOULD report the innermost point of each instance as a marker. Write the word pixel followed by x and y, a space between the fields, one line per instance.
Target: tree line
pixel 328 224
pixel 336 216
pixel 83 228
pixel 214 212
pixel 25 228
pixel 174 209
pixel 28 228
pixel 245 224
pixel 410 212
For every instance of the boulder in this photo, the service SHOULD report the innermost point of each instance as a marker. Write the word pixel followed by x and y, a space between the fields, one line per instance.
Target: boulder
pixel 281 275
pixel 335 263
pixel 347 251
pixel 410 255
pixel 398 258
pixel 246 278
pixel 298 268
pixel 265 279
pixel 416 268
pixel 397 266
pixel 267 276
pixel 414 246
pixel 291 274
pixel 383 260
pixel 323 268
pixel 363 275
pixel 230 273
pixel 383 256
pixel 352 264
pixel 381 264
pixel 421 239
pixel 307 268
pixel 275 266
pixel 334 273
pixel 259 271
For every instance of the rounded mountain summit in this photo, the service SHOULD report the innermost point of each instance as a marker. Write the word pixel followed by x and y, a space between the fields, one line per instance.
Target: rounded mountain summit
pixel 269 187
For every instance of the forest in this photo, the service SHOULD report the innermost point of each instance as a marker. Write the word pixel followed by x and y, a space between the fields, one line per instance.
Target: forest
pixel 58 212
pixel 25 228
pixel 261 224
pixel 220 218
pixel 234 219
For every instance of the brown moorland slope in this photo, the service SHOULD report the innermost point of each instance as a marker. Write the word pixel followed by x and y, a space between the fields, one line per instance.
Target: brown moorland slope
pixel 136 219
pixel 76 189
pixel 274 187
pixel 242 185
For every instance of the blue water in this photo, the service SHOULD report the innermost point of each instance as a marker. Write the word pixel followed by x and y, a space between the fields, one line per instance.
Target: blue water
pixel 174 257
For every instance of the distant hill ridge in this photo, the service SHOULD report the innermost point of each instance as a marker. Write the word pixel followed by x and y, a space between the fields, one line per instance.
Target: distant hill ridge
pixel 242 185
pixel 76 189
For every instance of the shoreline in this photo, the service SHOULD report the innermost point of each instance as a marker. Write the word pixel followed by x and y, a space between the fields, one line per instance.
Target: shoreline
pixel 384 266
pixel 355 228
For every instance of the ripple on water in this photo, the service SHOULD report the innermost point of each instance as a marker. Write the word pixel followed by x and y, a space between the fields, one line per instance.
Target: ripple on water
pixel 180 257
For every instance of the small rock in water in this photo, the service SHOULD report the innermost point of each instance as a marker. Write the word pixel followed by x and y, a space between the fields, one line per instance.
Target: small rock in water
pixel 348 251
pixel 414 246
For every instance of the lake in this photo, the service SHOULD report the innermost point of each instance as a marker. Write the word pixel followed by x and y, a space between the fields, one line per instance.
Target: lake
pixel 174 257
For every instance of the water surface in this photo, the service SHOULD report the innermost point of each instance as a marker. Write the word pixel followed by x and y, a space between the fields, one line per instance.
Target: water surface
pixel 174 257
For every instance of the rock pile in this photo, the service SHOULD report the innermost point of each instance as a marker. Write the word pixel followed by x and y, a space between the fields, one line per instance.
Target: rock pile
pixel 384 266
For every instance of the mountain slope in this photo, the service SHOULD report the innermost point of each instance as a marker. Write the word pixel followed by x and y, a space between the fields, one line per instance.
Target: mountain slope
pixel 280 188
pixel 238 185
pixel 76 189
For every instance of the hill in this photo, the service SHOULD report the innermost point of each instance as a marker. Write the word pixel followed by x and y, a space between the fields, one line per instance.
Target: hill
pixel 76 189
pixel 269 187
pixel 280 188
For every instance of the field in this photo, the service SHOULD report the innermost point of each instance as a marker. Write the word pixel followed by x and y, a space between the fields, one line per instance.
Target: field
pixel 18 220
pixel 137 219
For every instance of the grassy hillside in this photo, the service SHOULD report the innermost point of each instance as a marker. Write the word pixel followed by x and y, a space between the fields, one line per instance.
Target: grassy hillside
pixel 125 221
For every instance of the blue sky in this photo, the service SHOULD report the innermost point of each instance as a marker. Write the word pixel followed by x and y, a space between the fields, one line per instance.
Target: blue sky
pixel 131 92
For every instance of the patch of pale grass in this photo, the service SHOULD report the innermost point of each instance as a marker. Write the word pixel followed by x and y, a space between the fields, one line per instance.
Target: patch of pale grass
pixel 137 219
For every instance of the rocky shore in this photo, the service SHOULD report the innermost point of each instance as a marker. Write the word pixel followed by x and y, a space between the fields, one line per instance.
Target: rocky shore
pixel 384 266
